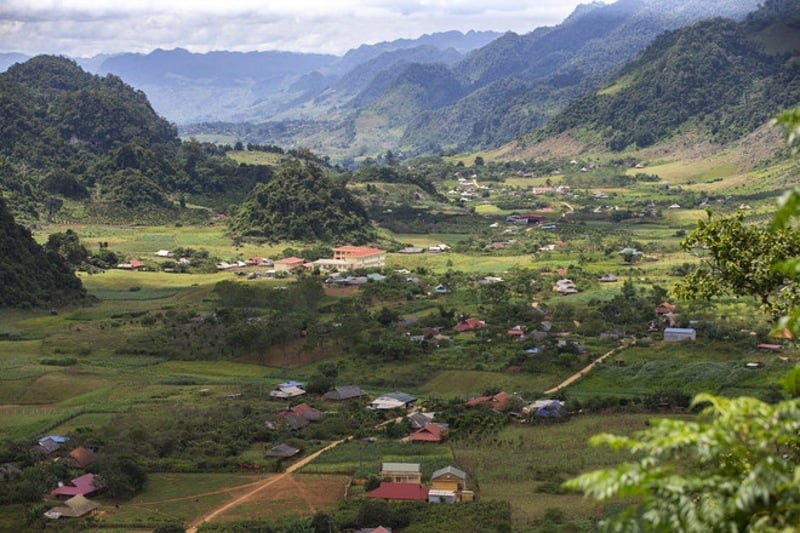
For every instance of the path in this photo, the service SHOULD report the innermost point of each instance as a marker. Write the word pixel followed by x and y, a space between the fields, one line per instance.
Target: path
pixel 267 483
pixel 585 370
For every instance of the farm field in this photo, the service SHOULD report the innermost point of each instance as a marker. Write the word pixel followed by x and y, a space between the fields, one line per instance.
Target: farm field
pixel 183 364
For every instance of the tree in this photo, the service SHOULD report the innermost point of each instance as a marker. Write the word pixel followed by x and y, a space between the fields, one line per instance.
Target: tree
pixel 736 467
pixel 732 469
pixel 740 260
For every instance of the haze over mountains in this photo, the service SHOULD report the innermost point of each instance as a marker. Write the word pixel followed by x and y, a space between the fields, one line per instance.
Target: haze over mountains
pixel 445 91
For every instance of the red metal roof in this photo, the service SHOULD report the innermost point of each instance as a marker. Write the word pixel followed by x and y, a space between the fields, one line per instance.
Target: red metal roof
pixel 83 485
pixel 430 433
pixel 400 491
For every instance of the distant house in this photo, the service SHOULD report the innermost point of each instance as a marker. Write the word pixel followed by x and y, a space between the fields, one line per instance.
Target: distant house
pixel 360 256
pixel 304 411
pixel 81 457
pixel 259 261
pixel 440 289
pixel 285 391
pixel 419 419
pixel 469 324
pixel 74 507
pixel 431 432
pixel 497 401
pixel 288 264
pixel 164 253
pixel 516 332
pixel 679 334
pixel 85 485
pixel 133 264
pixel 49 444
pixel 400 491
pixel 282 451
pixel 546 410
pixel 664 308
pixel 411 250
pixel 565 286
pixel 448 485
pixel 402 472
pixel 608 278
pixel 393 400
pixel 346 392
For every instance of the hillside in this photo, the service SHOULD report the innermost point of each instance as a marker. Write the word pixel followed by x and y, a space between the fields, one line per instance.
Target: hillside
pixel 31 277
pixel 506 88
pixel 715 77
pixel 73 144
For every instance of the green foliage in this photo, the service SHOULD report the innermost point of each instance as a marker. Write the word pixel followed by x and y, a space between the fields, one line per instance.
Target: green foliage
pixel 740 261
pixel 708 75
pixel 733 469
pixel 301 203
pixel 32 276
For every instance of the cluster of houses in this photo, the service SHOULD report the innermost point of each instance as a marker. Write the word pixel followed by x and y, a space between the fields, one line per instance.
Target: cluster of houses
pixel 403 482
pixel 71 496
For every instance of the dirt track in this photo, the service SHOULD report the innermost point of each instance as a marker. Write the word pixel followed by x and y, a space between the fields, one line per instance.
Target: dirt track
pixel 258 487
pixel 585 370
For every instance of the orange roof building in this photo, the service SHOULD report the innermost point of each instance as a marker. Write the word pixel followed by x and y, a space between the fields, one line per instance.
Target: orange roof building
pixel 360 256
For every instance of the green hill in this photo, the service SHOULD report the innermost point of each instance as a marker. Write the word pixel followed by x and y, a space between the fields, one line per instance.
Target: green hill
pixel 716 77
pixel 32 277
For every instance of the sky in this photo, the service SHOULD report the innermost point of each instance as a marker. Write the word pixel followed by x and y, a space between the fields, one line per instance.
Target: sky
pixel 84 28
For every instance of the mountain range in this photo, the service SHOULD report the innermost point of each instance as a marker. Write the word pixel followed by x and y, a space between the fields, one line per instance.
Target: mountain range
pixel 443 92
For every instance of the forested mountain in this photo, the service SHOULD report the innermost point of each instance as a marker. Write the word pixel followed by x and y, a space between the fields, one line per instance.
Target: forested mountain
pixel 721 77
pixel 72 137
pixel 32 277
pixel 506 88
pixel 302 203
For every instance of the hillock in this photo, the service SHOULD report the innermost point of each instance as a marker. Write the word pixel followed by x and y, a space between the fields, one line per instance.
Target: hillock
pixel 302 203
pixel 31 276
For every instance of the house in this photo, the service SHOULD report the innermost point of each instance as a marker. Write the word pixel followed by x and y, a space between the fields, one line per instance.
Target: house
pixel 448 485
pixel 608 278
pixel 164 253
pixel 664 308
pixel 431 432
pixel 259 261
pixel 400 492
pixel 679 334
pixel 292 421
pixel 393 400
pixel 49 444
pixel 81 457
pixel 402 472
pixel 346 392
pixel 517 332
pixel 133 264
pixel 8 470
pixel 74 507
pixel 497 401
pixel 360 256
pixel 419 420
pixel 304 411
pixel 288 264
pixel 565 286
pixel 288 391
pixel 85 485
pixel 282 451
pixel 469 324
pixel 440 289
pixel 546 410
pixel 411 250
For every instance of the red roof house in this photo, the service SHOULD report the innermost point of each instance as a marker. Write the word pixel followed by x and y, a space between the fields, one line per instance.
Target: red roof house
pixel 81 457
pixel 432 432
pixel 84 485
pixel 400 491
pixel 497 401
pixel 470 324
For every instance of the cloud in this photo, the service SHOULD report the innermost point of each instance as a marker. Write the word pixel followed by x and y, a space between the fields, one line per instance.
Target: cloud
pixel 89 27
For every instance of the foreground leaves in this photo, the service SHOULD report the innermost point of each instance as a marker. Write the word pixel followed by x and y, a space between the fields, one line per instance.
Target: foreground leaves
pixel 735 468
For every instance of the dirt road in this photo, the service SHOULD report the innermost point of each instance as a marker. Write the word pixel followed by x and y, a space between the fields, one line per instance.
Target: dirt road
pixel 585 370
pixel 260 487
